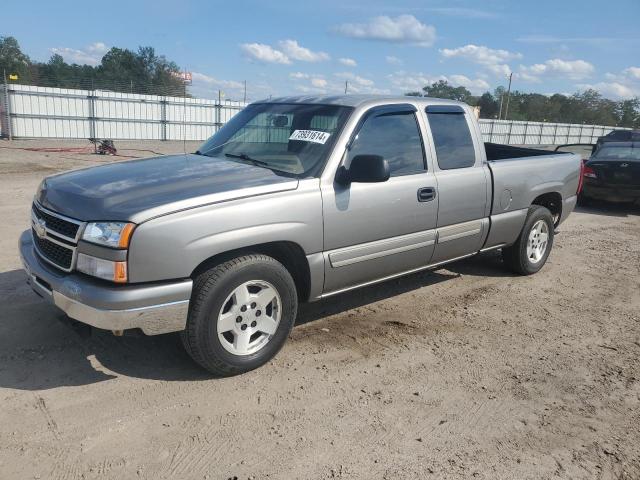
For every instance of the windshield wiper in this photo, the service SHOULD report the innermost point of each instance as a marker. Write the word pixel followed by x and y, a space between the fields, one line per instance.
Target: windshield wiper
pixel 247 158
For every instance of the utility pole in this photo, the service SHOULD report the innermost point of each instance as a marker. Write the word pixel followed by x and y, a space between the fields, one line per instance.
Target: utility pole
pixel 506 108
pixel 501 99
pixel 6 110
pixel 346 86
pixel 244 98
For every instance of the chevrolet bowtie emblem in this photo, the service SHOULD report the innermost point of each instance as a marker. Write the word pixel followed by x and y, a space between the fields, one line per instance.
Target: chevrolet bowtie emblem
pixel 39 226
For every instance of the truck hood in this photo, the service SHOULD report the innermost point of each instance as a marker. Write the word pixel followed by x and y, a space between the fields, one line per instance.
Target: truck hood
pixel 137 190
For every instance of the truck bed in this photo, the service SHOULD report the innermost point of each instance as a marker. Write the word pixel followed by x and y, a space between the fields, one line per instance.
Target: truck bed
pixel 498 151
pixel 519 175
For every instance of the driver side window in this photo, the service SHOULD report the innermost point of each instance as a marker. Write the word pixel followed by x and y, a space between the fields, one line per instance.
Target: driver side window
pixel 396 137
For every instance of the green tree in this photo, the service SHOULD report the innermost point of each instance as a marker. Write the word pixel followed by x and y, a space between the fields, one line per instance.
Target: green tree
pixel 141 72
pixel 629 112
pixel 488 106
pixel 12 60
pixel 442 89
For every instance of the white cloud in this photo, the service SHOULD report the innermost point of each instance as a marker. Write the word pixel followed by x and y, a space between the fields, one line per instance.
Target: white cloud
pixel 393 60
pixel 633 72
pixel 91 55
pixel 615 90
pixel 355 79
pixel 295 51
pixel 623 85
pixel 401 29
pixel 288 51
pixel 499 69
pixel 98 48
pixel 480 54
pixel 407 82
pixel 493 60
pixel 319 82
pixel 198 77
pixel 264 53
pixel 310 83
pixel 206 86
pixel 477 85
pixel 348 62
pixel 573 69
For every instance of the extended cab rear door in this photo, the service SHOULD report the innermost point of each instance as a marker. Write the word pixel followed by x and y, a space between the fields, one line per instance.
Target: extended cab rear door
pixel 463 180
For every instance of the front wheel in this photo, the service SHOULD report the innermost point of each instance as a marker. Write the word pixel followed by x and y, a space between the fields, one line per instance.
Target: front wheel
pixel 240 315
pixel 531 250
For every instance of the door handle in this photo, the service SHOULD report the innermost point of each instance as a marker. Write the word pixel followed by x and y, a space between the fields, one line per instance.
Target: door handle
pixel 426 194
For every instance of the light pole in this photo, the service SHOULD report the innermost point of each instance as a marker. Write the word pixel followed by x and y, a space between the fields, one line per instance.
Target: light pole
pixel 506 108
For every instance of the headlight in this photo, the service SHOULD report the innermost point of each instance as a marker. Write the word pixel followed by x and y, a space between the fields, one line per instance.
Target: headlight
pixel 110 234
pixel 101 268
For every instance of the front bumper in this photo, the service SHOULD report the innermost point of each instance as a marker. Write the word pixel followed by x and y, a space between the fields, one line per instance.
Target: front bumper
pixel 154 308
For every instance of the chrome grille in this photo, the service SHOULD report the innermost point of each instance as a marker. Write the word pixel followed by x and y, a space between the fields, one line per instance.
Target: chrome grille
pixel 57 254
pixel 65 227
pixel 55 237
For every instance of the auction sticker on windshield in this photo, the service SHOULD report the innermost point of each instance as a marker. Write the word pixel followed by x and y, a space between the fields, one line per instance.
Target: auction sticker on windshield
pixel 314 136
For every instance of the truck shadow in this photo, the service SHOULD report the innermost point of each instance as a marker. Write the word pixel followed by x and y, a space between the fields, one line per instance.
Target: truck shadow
pixel 40 349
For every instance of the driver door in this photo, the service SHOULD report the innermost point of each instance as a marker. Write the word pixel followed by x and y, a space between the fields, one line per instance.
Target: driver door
pixel 376 230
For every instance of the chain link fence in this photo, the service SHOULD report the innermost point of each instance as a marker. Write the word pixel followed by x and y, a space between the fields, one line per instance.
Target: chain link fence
pixel 28 111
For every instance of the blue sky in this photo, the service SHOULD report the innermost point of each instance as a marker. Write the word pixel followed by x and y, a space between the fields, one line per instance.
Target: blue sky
pixel 295 47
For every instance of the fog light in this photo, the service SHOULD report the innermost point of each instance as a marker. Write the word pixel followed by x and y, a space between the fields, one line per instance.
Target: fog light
pixel 101 268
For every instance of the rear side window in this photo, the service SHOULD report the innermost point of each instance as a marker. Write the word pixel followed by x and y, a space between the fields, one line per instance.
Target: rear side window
pixel 618 153
pixel 452 139
pixel 396 137
pixel 620 135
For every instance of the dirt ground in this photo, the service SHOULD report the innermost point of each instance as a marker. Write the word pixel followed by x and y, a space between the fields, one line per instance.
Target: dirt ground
pixel 465 372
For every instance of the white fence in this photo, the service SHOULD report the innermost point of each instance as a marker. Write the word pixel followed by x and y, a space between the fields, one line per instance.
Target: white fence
pixel 43 112
pixel 513 132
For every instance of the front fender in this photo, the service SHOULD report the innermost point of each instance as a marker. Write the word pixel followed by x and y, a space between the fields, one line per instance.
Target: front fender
pixel 172 246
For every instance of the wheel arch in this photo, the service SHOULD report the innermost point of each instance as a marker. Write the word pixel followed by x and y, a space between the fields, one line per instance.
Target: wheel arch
pixel 289 254
pixel 551 201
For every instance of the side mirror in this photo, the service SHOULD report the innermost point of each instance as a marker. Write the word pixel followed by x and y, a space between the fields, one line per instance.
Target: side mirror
pixel 364 169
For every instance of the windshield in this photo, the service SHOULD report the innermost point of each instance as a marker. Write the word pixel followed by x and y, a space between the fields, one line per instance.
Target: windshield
pixel 618 153
pixel 293 139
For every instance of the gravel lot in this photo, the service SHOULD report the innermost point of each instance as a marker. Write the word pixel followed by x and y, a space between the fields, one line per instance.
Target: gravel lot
pixel 465 372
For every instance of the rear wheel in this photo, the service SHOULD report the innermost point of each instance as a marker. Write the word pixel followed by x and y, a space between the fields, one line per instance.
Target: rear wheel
pixel 240 315
pixel 531 250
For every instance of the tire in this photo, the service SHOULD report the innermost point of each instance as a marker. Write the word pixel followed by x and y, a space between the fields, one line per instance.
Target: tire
pixel 227 331
pixel 522 259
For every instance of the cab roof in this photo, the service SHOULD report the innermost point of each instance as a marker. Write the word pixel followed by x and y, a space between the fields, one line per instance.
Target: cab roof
pixel 358 100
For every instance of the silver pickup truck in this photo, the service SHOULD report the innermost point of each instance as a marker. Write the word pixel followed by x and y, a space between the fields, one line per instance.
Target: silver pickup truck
pixel 293 200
